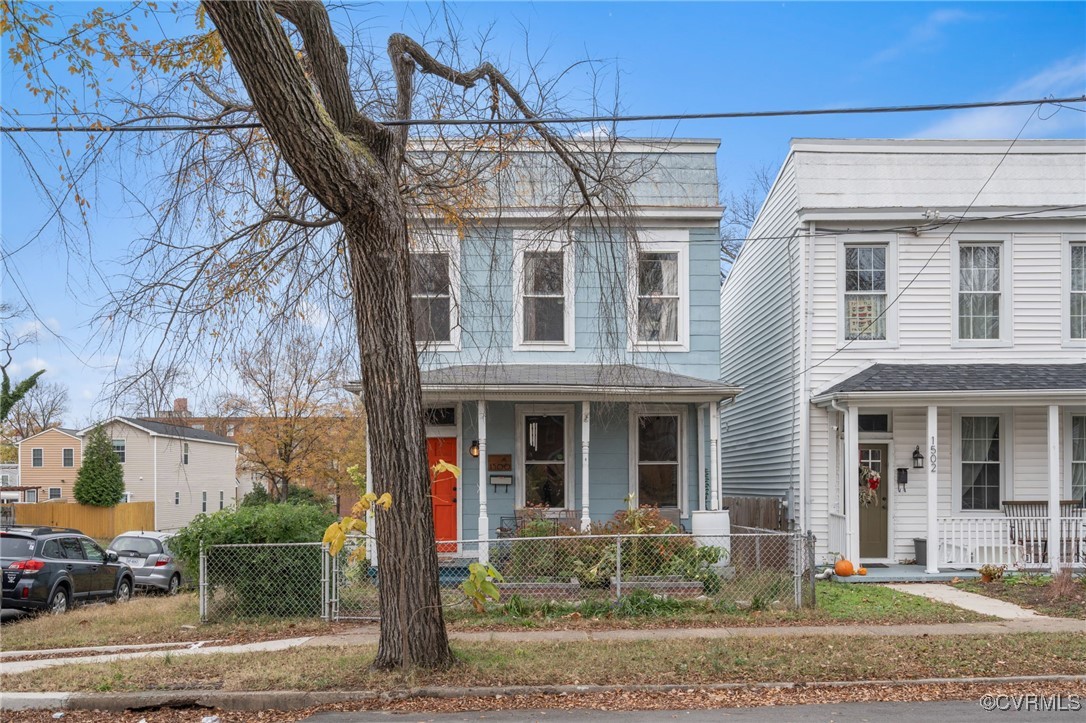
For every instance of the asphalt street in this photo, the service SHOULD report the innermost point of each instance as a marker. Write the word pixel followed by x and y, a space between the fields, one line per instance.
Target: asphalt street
pixel 943 711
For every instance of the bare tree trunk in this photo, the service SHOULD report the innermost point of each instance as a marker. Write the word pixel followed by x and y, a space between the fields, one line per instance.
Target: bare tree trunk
pixel 412 624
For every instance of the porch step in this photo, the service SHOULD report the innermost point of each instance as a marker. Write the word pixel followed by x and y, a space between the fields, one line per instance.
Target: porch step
pixel 905 573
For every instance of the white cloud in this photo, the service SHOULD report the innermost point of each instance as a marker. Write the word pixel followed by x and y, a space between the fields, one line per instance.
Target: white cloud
pixel 28 367
pixel 923 35
pixel 1064 78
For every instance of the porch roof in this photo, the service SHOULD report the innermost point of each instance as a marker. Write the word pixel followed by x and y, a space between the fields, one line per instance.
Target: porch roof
pixel 575 381
pixel 1004 382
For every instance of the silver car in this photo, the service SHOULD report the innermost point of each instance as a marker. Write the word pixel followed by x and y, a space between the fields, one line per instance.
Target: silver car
pixel 149 556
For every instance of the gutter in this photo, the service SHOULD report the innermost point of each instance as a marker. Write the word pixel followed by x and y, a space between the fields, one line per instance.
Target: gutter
pixel 949 395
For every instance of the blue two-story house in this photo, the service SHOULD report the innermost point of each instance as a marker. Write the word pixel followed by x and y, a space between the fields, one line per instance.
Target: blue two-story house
pixel 568 365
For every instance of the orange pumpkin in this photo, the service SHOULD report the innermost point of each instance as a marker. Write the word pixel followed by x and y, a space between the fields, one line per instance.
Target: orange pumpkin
pixel 862 571
pixel 843 568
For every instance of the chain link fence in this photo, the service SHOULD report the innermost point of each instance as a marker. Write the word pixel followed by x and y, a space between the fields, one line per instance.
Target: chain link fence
pixel 288 580
pixel 594 574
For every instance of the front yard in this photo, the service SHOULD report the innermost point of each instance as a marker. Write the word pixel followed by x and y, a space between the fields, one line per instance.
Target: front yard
pixel 739 660
pixel 158 619
pixel 1064 596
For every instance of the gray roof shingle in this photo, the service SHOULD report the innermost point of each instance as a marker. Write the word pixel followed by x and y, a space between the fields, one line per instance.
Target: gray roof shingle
pixel 177 430
pixel 964 378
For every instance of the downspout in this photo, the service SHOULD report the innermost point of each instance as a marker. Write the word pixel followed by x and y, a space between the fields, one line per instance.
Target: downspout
pixel 154 476
pixel 807 262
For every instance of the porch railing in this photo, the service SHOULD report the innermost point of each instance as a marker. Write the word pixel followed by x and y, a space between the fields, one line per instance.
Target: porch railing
pixel 1022 542
pixel 838 534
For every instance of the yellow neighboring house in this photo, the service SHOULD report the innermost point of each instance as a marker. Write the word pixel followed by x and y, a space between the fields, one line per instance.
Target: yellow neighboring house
pixel 49 460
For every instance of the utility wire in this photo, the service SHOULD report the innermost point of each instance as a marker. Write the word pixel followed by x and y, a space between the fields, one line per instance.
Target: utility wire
pixel 133 126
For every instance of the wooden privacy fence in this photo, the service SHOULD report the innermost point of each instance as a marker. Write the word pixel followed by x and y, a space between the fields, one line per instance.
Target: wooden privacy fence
pixel 766 513
pixel 97 522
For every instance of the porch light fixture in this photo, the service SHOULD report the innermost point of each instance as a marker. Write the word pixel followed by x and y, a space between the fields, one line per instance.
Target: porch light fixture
pixel 473 450
pixel 918 458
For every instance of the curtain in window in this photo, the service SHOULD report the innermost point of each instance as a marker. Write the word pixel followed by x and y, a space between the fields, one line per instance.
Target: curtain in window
pixel 980 463
pixel 978 292
pixel 544 296
pixel 1078 291
pixel 1078 457
pixel 431 296
pixel 865 292
pixel 658 297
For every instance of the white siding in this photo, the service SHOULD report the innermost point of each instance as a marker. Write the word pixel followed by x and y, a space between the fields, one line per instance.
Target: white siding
pixel 759 337
pixel 210 469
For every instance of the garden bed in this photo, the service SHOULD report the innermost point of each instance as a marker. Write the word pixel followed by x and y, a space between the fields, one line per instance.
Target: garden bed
pixel 1063 597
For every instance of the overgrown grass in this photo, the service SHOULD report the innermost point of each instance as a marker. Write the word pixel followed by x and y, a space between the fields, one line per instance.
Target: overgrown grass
pixel 836 604
pixel 146 619
pixel 741 659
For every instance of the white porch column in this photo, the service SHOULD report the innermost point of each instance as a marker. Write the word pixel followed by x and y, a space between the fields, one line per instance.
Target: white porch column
pixel 703 479
pixel 714 456
pixel 484 518
pixel 1054 532
pixel 371 518
pixel 933 490
pixel 586 417
pixel 852 484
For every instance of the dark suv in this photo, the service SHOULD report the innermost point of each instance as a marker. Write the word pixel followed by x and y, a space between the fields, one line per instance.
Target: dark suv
pixel 49 568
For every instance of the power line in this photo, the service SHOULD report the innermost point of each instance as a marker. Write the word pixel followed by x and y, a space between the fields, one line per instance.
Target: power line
pixel 134 126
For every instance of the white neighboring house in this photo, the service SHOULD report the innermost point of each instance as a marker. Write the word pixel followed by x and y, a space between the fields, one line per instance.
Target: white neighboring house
pixel 916 307
pixel 184 471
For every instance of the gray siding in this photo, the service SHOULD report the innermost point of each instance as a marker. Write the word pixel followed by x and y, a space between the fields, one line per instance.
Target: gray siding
pixel 759 337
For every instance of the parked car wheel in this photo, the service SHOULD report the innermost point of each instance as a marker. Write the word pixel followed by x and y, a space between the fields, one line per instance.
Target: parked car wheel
pixel 58 601
pixel 124 591
pixel 175 585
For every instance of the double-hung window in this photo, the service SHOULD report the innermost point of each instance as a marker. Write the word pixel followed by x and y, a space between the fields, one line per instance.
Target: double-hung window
pixel 659 295
pixel 546 439
pixel 657 445
pixel 1077 291
pixel 185 453
pixel 544 303
pixel 1078 457
pixel 54 493
pixel 37 457
pixel 865 303
pixel 980 291
pixel 435 296
pixel 118 449
pixel 69 457
pixel 981 463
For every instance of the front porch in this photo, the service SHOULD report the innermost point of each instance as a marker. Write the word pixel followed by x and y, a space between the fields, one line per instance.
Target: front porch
pixel 971 464
pixel 883 574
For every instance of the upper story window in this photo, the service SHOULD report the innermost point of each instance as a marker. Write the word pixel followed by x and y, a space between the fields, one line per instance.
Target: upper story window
pixel 434 292
pixel 37 457
pixel 69 458
pixel 660 293
pixel 1077 290
pixel 865 293
pixel 543 283
pixel 185 453
pixel 118 449
pixel 980 291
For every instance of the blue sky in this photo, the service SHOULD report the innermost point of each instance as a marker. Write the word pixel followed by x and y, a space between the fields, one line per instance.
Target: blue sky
pixel 689 57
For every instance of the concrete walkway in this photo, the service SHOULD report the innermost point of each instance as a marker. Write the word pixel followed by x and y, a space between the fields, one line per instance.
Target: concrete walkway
pixel 969 601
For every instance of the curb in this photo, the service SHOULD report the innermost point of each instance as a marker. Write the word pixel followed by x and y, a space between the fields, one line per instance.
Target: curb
pixel 297 700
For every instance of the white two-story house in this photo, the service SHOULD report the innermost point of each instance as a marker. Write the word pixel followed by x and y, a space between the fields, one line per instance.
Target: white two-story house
pixel 916 309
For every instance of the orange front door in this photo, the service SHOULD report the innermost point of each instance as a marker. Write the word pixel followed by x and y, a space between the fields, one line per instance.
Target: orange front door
pixel 443 490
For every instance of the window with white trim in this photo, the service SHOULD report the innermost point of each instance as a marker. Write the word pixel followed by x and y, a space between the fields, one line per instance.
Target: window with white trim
pixel 203 502
pixel 658 460
pixel 69 457
pixel 222 499
pixel 54 493
pixel 31 496
pixel 544 296
pixel 1077 291
pixel 865 292
pixel 431 296
pixel 127 497
pixel 545 460
pixel 981 463
pixel 980 290
pixel 659 298
pixel 177 498
pixel 185 453
pixel 118 449
pixel 37 457
pixel 1078 457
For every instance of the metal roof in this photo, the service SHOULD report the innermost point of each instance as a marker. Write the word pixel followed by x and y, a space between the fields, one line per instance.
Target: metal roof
pixel 605 380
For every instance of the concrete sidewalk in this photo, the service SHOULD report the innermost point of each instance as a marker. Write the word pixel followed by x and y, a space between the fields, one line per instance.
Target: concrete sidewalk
pixel 968 601
pixel 369 636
